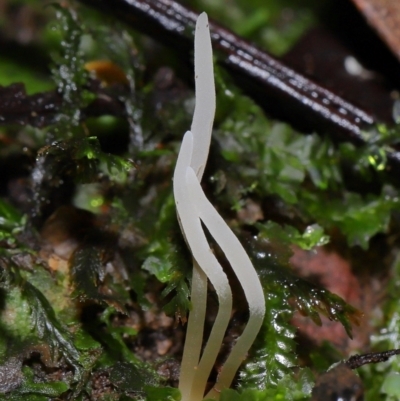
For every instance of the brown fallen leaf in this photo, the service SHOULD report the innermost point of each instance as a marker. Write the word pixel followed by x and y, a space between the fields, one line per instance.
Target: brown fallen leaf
pixel 339 383
pixel 384 16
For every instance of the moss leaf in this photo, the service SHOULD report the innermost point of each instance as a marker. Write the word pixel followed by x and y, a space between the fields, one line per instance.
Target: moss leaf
pixel 130 378
pixel 48 327
pixel 162 393
pixel 51 389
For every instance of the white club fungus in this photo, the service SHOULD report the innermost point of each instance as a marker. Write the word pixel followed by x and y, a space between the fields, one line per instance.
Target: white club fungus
pixel 193 210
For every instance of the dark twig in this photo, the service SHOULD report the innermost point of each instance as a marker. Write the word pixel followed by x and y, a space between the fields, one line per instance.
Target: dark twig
pixel 356 361
pixel 40 110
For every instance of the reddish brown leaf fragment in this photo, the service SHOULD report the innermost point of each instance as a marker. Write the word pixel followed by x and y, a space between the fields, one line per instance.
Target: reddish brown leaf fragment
pixel 384 16
pixel 339 383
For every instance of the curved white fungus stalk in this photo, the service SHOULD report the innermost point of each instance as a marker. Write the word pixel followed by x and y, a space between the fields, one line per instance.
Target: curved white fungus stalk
pixel 245 273
pixel 190 386
pixel 204 111
pixel 193 208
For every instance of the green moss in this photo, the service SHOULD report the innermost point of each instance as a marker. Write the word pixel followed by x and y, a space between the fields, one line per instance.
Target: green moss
pixel 12 72
pixel 305 171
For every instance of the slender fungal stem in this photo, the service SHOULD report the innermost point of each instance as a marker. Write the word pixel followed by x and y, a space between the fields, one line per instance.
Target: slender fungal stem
pixel 203 117
pixel 194 331
pixel 201 129
pixel 201 252
pixel 244 271
pixel 193 208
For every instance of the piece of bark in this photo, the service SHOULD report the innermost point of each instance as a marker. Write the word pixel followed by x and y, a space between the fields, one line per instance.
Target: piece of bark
pixel 357 361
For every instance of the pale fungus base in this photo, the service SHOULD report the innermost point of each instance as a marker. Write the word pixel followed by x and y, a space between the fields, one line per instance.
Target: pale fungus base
pixel 193 210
